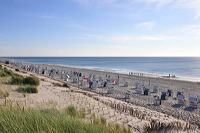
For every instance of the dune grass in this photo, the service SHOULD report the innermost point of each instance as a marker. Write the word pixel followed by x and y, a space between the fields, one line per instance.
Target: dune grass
pixel 29 120
pixel 29 83
pixel 28 89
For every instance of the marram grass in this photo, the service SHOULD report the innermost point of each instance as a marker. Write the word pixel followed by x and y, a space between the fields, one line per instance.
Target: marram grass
pixel 30 120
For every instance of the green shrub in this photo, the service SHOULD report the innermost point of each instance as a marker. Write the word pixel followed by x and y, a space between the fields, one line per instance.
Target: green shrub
pixel 31 81
pixel 28 89
pixel 1 67
pixel 17 80
pixel 66 85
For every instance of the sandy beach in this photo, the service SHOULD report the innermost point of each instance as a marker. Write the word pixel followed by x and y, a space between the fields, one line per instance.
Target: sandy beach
pixel 119 102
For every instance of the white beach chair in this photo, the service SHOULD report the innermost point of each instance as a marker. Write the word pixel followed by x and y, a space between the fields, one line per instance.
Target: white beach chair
pixel 139 89
pixel 181 99
pixel 156 100
pixel 95 85
pixel 75 80
pixel 83 83
pixel 193 101
pixel 136 85
pixel 109 80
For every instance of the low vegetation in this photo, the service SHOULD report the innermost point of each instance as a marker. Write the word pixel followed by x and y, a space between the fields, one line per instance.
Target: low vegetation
pixel 28 89
pixel 66 85
pixel 17 80
pixel 27 120
pixel 5 72
pixel 29 83
pixel 5 94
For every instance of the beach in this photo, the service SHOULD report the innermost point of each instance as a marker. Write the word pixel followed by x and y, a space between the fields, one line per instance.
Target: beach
pixel 118 102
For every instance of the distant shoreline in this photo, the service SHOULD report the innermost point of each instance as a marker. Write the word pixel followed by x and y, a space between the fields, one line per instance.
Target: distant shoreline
pixel 118 71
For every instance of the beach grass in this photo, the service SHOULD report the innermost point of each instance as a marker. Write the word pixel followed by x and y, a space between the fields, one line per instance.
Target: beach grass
pixel 31 80
pixel 28 89
pixel 34 120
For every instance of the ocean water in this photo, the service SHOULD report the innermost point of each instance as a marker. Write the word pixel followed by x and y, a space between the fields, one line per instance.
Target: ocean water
pixel 179 66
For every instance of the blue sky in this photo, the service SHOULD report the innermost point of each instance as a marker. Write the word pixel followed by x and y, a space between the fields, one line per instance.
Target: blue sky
pixel 99 27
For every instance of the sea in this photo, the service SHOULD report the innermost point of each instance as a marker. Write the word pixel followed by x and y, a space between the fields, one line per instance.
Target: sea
pixel 178 66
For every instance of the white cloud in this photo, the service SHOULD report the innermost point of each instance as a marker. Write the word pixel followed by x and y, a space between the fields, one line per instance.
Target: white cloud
pixel 193 5
pixel 146 25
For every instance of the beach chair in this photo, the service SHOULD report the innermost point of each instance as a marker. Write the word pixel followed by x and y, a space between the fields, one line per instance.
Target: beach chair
pixel 139 89
pixel 75 80
pixel 109 80
pixel 146 91
pixel 83 83
pixel 164 95
pixel 193 101
pixel 136 85
pixel 94 77
pixel 155 89
pixel 198 97
pixel 104 84
pixel 127 96
pixel 117 81
pixel 170 93
pixel 90 84
pixel 156 100
pixel 126 84
pixel 181 99
pixel 66 78
pixel 95 85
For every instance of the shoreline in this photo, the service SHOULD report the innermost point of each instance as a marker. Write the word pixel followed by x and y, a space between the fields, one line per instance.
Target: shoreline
pixel 125 72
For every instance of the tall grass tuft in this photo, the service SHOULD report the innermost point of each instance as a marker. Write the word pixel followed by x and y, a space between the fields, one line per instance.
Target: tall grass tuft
pixel 31 81
pixel 22 120
pixel 17 80
pixel 28 89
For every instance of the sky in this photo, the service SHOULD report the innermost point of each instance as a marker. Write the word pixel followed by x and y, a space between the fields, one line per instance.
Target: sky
pixel 99 28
